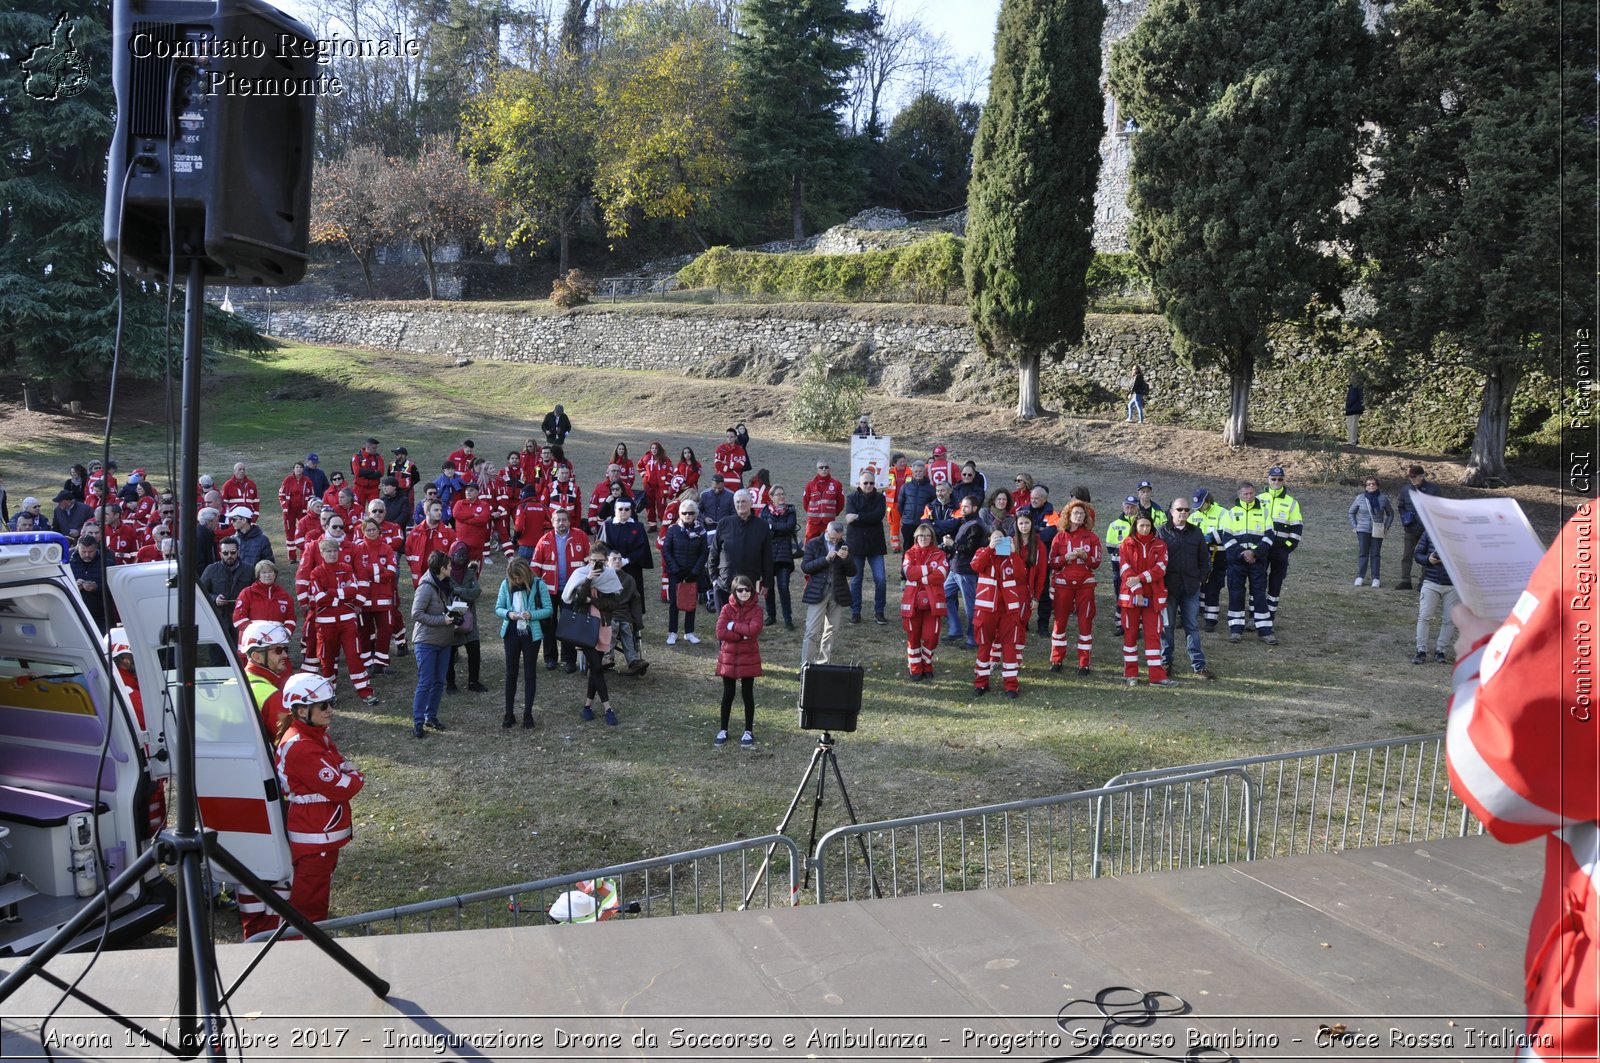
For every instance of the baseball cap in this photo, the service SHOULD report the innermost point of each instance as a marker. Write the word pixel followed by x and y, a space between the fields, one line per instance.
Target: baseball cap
pixel 312 459
pixel 1200 495
pixel 239 511
pixel 373 441
pixel 939 450
pixel 1146 483
pixel 1130 501
pixel 139 473
pixel 402 450
pixel 1276 470
pixel 62 496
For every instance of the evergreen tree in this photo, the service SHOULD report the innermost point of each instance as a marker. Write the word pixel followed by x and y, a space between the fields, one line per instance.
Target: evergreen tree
pixel 1248 114
pixel 793 58
pixel 1031 199
pixel 58 308
pixel 1470 239
pixel 930 145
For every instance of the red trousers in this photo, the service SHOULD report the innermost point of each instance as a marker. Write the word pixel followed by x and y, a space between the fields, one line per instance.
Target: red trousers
pixel 291 538
pixel 375 634
pixel 254 915
pixel 815 527
pixel 1150 618
pixel 313 880
pixel 922 638
pixel 998 635
pixel 1073 598
pixel 337 636
pixel 310 646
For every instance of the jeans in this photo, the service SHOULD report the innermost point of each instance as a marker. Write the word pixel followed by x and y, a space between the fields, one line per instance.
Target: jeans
pixel 526 647
pixel 432 664
pixel 1183 609
pixel 525 552
pixel 626 639
pixel 959 586
pixel 1436 599
pixel 879 591
pixel 1368 550
pixel 1136 405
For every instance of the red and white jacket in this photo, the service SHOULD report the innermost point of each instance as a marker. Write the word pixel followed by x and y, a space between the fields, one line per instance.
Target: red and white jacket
pixel 544 556
pixel 729 460
pixel 462 460
pixel 1002 583
pixel 237 492
pixel 598 496
pixel 528 524
pixel 472 523
pixel 1143 559
pixel 689 474
pixel 628 474
pixel 365 487
pixel 307 530
pixel 318 783
pixel 336 593
pixel 822 499
pixel 263 601
pixel 293 495
pixel 1523 747
pixel 123 542
pixel 1064 573
pixel 924 569
pixel 422 541
pixel 565 496
pixel 943 471
pixel 376 574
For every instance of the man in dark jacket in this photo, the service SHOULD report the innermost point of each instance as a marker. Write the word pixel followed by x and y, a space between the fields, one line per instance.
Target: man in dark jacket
pixel 254 546
pixel 1438 597
pixel 914 496
pixel 962 583
pixel 69 515
pixel 223 580
pixel 556 426
pixel 1188 568
pixel 1416 480
pixel 741 547
pixel 944 513
pixel 864 513
pixel 716 502
pixel 827 566
pixel 627 536
pixel 88 566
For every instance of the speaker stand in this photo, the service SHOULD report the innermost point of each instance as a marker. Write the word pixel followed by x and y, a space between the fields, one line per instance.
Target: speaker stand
pixel 822 758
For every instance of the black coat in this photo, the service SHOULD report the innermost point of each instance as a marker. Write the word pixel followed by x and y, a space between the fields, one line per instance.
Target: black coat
pixel 914 497
pixel 815 562
pixel 864 535
pixel 971 537
pixel 742 548
pixel 556 427
pixel 1188 559
pixel 684 553
pixel 783 527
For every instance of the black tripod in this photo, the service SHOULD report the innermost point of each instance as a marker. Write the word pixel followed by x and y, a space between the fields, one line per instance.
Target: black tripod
pixel 200 1023
pixel 822 758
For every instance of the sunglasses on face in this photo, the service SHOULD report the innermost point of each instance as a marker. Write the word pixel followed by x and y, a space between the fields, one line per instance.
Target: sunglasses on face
pixel 743 590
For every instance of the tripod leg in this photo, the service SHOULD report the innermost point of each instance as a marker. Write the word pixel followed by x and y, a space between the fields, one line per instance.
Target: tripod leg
pixel 199 1028
pixel 877 891
pixel 87 915
pixel 826 754
pixel 336 952
pixel 783 825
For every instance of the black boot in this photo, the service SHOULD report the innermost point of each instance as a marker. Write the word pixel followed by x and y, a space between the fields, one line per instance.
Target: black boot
pixel 509 720
pixel 527 717
pixel 474 661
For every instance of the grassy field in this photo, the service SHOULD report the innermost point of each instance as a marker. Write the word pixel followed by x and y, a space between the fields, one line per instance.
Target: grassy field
pixel 481 806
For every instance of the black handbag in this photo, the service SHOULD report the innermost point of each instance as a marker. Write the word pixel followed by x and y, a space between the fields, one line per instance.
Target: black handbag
pixel 580 629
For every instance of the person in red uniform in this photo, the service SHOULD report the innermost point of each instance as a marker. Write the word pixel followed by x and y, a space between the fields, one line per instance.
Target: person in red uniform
pixel 655 470
pixel 240 490
pixel 1075 553
pixel 563 494
pixel 604 494
pixel 923 568
pixel 152 550
pixel 559 552
pixel 528 523
pixel 294 498
pixel 821 501
pixel 122 540
pixel 501 493
pixel 1030 551
pixel 1142 558
pixel 462 458
pixel 336 600
pixel 318 782
pixel 997 611
pixel 425 539
pixel 619 458
pixel 472 516
pixel 308 529
pixel 688 469
pixel 116 643
pixel 1524 755
pixel 731 461
pixel 330 497
pixel 366 469
pixel 377 574
pixel 941 470
pixel 264 600
pixel 264 645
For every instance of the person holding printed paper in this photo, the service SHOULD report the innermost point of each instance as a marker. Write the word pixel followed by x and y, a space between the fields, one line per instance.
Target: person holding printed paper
pixel 1438 598
pixel 1523 749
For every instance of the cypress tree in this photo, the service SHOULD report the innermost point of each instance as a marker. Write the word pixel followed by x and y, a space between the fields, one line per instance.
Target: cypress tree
pixel 1030 203
pixel 1248 114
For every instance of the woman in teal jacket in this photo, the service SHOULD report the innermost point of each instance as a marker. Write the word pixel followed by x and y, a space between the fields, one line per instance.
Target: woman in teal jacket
pixel 523 602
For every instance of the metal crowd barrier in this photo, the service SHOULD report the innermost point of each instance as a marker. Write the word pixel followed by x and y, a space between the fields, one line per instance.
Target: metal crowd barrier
pixel 711 879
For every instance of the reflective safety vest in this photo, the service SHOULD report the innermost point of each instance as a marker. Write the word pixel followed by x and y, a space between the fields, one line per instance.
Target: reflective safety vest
pixel 1209 521
pixel 1119 530
pixel 1245 527
pixel 1284 511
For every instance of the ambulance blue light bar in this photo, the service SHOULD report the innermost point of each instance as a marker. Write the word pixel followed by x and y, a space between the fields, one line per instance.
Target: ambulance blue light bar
pixel 38 548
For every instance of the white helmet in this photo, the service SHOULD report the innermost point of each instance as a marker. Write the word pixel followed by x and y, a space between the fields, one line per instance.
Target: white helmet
pixel 305 689
pixel 116 642
pixel 262 635
pixel 573 906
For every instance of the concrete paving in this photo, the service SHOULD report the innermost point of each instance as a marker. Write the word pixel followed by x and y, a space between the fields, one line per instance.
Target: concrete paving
pixel 1415 950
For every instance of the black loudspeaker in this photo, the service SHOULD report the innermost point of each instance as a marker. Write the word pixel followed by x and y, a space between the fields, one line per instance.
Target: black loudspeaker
pixel 216 103
pixel 830 696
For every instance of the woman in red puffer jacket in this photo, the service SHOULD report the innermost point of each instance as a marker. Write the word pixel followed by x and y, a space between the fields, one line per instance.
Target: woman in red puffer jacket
pixel 739 655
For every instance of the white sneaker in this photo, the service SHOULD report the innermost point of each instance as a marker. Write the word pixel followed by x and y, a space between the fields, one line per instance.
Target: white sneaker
pixel 1359 581
pixel 672 638
pixel 1375 583
pixel 692 639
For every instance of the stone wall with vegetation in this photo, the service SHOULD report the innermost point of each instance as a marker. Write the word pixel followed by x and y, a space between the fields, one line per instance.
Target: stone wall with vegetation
pixel 928 351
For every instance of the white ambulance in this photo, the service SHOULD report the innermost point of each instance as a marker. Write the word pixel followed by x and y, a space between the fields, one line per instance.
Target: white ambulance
pixel 76 765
